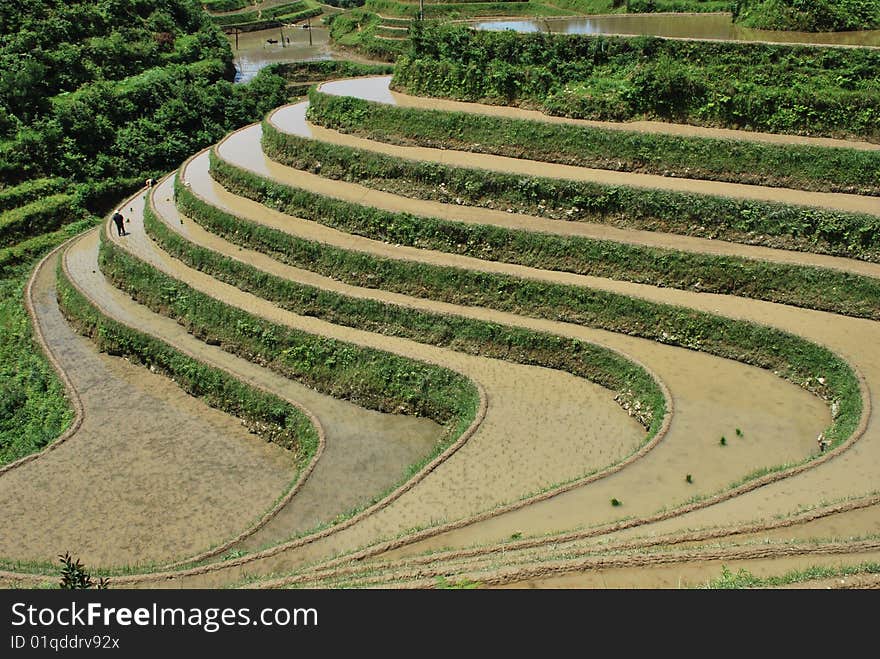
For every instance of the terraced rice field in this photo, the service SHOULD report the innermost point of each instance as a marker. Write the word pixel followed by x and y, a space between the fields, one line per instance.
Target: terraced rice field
pixel 587 451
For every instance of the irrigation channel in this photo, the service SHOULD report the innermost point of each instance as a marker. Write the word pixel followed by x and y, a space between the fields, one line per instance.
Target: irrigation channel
pixel 520 492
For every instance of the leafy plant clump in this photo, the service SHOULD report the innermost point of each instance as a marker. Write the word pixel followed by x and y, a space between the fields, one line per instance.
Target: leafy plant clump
pixel 75 577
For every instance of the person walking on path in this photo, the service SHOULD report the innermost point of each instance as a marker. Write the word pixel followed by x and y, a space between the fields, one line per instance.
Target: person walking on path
pixel 119 221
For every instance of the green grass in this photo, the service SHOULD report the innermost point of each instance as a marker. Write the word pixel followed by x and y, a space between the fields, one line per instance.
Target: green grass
pixel 33 407
pixel 28 250
pixel 225 5
pixel 813 16
pixel 631 382
pixel 37 217
pixel 24 193
pixel 357 30
pixel 463 9
pixel 250 21
pixel 590 6
pixel 442 583
pixel 745 579
pixel 785 354
pixel 367 377
pixel 770 224
pixel 696 6
pixel 804 286
pixel 794 166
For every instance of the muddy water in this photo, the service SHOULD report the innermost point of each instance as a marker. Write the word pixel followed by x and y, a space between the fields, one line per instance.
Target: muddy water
pixel 840 333
pixel 707 404
pixel 712 396
pixel 509 454
pixel 841 526
pixel 253 51
pixel 836 527
pixel 151 474
pixel 851 470
pixel 681 26
pixel 367 452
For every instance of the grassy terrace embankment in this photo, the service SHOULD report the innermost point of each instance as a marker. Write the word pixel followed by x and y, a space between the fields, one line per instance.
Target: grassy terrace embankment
pixel 792 166
pixel 29 191
pixel 695 6
pixel 790 356
pixel 226 5
pixel 299 77
pixel 791 284
pixel 359 30
pixel 605 367
pixel 802 228
pixel 263 19
pixel 41 216
pixel 777 88
pixel 263 413
pixel 464 9
pixel 369 378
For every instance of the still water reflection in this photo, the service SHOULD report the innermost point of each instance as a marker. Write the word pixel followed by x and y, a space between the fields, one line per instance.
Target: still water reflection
pixel 255 51
pixel 695 26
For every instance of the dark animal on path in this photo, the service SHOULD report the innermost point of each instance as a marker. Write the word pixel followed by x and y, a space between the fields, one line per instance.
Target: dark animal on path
pixel 271 40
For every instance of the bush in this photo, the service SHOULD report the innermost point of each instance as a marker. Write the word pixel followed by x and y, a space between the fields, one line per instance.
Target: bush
pixel 75 577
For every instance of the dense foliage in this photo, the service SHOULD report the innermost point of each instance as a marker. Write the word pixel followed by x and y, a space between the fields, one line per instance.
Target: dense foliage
pixel 809 15
pixel 95 96
pixel 109 125
pixel 756 86
pixel 460 9
pixel 226 5
pixel 345 4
